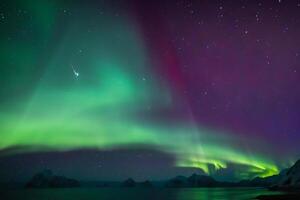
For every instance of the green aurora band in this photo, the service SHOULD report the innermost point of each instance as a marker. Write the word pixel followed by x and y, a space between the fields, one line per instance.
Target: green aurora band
pixel 99 108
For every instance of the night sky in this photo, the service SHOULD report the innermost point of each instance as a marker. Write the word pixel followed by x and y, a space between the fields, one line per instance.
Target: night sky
pixel 105 90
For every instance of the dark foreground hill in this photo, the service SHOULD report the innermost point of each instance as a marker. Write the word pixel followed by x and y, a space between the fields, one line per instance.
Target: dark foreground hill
pixel 290 179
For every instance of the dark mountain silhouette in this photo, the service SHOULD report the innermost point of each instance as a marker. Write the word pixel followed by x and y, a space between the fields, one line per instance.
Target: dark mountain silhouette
pixel 178 181
pixel 146 184
pixel 259 182
pixel 289 179
pixel 193 181
pixel 46 179
pixel 201 181
pixel 129 183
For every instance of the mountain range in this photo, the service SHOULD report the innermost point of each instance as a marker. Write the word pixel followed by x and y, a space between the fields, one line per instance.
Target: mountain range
pixel 288 179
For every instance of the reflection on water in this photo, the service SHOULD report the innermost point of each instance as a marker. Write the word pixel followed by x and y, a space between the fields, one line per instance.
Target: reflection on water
pixel 221 193
pixel 136 194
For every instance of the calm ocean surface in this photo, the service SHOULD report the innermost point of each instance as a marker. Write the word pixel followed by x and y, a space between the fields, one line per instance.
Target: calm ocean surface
pixel 135 194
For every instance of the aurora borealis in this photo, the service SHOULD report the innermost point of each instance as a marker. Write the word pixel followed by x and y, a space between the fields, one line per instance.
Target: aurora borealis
pixel 212 84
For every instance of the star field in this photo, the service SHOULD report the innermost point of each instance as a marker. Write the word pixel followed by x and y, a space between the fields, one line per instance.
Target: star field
pixel 188 85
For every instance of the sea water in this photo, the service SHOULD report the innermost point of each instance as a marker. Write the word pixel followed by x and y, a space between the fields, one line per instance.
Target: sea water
pixel 135 194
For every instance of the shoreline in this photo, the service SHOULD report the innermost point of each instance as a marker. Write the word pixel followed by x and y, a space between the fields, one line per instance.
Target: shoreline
pixel 290 196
